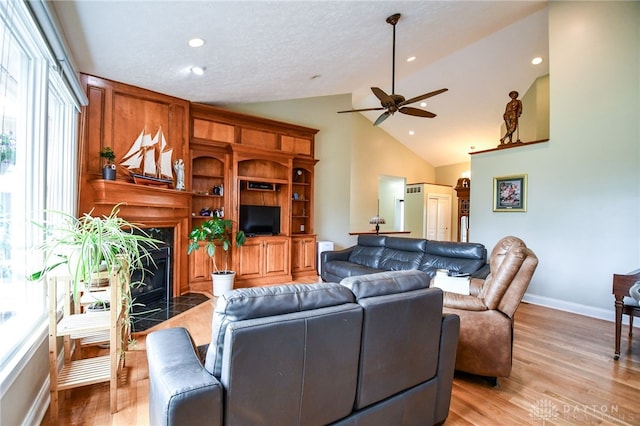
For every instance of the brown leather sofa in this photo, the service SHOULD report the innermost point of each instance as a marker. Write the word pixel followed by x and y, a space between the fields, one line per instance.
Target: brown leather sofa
pixel 486 315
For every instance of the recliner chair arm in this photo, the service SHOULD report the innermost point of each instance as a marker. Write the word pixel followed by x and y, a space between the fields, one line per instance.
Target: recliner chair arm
pixel 475 286
pixel 463 302
pixel 181 391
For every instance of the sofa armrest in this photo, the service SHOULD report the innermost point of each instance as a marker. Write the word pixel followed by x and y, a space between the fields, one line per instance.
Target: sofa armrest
pixel 475 286
pixel 463 302
pixel 482 273
pixel 181 391
pixel 450 332
pixel 327 256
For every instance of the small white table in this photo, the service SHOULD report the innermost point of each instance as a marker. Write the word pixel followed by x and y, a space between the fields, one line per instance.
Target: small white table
pixel 451 284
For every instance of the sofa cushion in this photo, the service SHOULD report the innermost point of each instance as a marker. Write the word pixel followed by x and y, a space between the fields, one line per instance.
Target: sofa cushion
pixel 343 268
pixel 258 302
pixel 383 283
pixel 398 260
pixel 474 251
pixel 452 256
pixel 292 369
pixel 400 332
pixel 368 251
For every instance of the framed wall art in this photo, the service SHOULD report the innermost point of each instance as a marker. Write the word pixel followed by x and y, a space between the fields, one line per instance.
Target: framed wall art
pixel 510 193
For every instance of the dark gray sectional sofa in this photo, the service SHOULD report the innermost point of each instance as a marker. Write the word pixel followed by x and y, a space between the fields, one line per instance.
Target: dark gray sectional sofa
pixel 311 354
pixel 378 253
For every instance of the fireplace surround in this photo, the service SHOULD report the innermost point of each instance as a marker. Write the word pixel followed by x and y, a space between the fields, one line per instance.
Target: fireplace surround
pixel 164 213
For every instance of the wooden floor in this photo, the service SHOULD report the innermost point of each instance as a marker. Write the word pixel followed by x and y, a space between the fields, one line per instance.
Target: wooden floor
pixel 563 374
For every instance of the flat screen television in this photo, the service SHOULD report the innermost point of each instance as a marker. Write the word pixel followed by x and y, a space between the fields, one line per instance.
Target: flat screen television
pixel 259 220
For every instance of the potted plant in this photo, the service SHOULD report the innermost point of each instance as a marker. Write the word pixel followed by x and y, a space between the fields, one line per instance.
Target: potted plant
pixel 216 232
pixel 109 169
pixel 89 244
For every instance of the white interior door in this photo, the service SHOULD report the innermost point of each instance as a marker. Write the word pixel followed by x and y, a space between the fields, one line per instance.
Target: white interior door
pixel 438 217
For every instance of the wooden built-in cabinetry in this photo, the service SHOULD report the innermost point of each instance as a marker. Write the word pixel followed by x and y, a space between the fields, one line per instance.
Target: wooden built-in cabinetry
pixel 230 159
pixel 267 163
pixel 463 190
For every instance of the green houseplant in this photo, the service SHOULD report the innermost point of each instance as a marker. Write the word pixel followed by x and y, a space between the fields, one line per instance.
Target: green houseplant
pixel 90 244
pixel 216 232
pixel 109 169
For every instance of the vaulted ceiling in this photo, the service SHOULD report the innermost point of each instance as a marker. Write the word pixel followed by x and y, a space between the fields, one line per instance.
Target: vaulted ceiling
pixel 258 51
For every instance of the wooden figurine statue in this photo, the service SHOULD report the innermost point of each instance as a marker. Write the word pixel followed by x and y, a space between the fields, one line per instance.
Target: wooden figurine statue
pixel 512 112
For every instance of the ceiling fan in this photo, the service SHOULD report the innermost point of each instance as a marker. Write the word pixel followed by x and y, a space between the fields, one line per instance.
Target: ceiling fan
pixel 394 102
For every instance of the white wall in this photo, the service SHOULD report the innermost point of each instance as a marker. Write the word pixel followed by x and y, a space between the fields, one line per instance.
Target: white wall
pixel 584 184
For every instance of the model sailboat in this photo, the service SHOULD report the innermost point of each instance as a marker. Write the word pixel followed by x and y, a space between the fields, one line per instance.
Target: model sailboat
pixel 149 161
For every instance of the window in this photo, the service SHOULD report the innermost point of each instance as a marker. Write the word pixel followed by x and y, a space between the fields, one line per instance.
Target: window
pixel 38 163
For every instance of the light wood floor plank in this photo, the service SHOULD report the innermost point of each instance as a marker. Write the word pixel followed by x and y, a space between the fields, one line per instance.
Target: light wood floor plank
pixel 563 374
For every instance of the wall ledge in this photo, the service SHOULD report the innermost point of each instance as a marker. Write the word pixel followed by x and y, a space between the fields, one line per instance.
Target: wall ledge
pixel 510 146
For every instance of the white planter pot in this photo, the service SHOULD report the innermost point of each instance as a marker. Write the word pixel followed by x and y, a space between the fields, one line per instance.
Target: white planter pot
pixel 222 282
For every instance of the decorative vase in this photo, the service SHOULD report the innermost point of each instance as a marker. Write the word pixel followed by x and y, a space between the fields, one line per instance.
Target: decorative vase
pixel 109 172
pixel 222 282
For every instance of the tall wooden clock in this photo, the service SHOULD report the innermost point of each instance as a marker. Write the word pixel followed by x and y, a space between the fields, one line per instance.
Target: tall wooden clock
pixel 463 189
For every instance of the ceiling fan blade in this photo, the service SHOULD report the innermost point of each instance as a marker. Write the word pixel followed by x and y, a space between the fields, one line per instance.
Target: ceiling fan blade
pixel 381 95
pixel 422 97
pixel 417 112
pixel 363 109
pixel 382 117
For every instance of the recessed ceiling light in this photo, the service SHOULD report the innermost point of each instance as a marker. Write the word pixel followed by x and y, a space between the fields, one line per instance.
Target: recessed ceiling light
pixel 411 132
pixel 196 42
pixel 423 104
pixel 411 58
pixel 198 70
pixel 537 60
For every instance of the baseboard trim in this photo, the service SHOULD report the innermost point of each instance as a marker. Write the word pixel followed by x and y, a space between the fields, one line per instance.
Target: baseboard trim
pixel 576 308
pixel 40 405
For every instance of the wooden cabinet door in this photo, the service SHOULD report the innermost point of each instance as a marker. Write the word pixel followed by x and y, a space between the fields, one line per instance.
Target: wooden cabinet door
pixel 309 254
pixel 303 254
pixel 276 256
pixel 251 259
pixel 200 267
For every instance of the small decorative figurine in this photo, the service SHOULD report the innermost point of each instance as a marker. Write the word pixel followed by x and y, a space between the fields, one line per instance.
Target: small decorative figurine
pixel 178 166
pixel 512 112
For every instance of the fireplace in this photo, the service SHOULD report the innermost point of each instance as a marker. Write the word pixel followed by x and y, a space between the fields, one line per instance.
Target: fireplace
pixel 152 209
pixel 156 281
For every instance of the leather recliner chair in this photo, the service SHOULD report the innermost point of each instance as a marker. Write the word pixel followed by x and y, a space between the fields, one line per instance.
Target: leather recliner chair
pixel 486 315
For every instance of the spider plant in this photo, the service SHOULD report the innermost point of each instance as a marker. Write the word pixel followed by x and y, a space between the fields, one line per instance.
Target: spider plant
pixel 91 244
